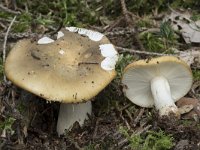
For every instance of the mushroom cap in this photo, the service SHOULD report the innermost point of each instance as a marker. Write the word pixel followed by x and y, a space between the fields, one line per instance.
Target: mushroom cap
pixel 67 70
pixel 138 75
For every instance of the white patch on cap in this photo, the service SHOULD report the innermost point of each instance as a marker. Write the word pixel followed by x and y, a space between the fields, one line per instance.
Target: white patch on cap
pixel 72 29
pixel 61 52
pixel 108 50
pixel 93 35
pixel 108 63
pixel 60 34
pixel 45 40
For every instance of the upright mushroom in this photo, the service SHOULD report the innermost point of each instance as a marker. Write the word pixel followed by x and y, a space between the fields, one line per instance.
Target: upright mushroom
pixel 72 69
pixel 158 82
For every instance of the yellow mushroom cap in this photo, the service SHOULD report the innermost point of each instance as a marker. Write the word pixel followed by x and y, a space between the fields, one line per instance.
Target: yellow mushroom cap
pixel 138 75
pixel 66 70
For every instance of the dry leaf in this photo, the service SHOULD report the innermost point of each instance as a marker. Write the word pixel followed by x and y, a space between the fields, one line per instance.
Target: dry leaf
pixel 193 113
pixel 191 56
pixel 188 28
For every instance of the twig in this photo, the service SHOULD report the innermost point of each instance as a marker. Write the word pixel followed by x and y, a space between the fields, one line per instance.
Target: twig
pixel 2 25
pixel 96 128
pixel 151 30
pixel 2 144
pixel 124 120
pixel 126 106
pixel 131 23
pixel 116 23
pixel 137 119
pixel 17 36
pixel 6 20
pixel 123 31
pixel 125 13
pixel 139 132
pixel 129 115
pixel 87 63
pixel 9 10
pixel 5 42
pixel 132 51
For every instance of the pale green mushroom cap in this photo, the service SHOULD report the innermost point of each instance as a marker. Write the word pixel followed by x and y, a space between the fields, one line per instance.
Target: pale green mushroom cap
pixel 138 75
pixel 67 70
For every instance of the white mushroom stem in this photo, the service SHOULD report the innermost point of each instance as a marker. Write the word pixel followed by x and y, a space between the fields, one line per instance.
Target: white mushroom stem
pixel 70 113
pixel 162 96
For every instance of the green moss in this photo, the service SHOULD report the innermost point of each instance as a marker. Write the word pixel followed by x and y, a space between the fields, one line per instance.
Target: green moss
pixel 196 74
pixel 53 13
pixel 5 15
pixel 146 6
pixel 189 123
pixel 145 22
pixel 162 41
pixel 166 31
pixel 123 61
pixel 100 145
pixel 152 42
pixel 21 107
pixel 186 4
pixel 90 147
pixel 186 122
pixel 151 140
pixel 7 125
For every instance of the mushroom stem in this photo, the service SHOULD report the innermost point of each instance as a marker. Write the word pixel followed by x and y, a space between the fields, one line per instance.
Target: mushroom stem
pixel 70 113
pixel 162 96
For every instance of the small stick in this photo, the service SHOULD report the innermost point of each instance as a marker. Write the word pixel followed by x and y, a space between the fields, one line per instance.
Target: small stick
pixel 125 12
pixel 121 32
pixel 143 130
pixel 9 10
pixel 16 36
pixel 137 119
pixel 132 51
pixel 5 42
pixel 2 25
pixel 87 63
pixel 96 128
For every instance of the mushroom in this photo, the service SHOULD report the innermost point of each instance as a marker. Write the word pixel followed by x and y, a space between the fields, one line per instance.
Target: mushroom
pixel 158 82
pixel 70 70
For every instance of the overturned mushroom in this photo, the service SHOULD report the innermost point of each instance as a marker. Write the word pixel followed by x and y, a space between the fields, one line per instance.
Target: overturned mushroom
pixel 158 82
pixel 67 70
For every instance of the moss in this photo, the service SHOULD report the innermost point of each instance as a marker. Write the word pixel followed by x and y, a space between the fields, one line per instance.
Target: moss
pixel 186 4
pixel 146 7
pixel 152 42
pixel 145 22
pixel 7 125
pixel 196 74
pixel 154 140
pixel 53 13
pixel 162 41
pixel 90 147
pixel 123 61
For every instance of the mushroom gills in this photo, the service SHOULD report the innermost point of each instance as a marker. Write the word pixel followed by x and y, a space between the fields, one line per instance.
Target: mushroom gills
pixel 70 113
pixel 162 96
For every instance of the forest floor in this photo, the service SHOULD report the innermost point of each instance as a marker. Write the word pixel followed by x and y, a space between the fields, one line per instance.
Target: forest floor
pixel 138 31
